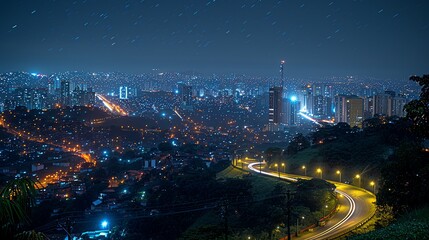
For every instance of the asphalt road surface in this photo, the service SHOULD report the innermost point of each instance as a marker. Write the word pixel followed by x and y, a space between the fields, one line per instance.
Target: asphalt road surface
pixel 356 205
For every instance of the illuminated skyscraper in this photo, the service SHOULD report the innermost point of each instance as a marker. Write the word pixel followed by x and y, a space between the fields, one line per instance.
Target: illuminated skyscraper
pixel 398 103
pixel 65 97
pixel 123 92
pixel 185 95
pixel 349 109
pixel 276 111
pixel 383 104
pixel 275 105
pixel 291 109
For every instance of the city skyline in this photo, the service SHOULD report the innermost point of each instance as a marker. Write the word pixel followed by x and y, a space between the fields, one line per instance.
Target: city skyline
pixel 385 39
pixel 214 119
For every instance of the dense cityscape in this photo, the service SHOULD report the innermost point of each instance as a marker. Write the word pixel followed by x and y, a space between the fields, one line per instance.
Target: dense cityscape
pixel 196 154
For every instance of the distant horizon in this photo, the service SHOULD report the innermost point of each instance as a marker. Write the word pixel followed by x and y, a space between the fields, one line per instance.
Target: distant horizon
pixel 250 74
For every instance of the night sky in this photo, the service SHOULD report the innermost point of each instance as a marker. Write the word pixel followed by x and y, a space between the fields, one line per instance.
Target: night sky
pixel 380 38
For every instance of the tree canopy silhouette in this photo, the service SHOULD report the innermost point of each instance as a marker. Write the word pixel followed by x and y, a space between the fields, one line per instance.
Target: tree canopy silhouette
pixel 418 110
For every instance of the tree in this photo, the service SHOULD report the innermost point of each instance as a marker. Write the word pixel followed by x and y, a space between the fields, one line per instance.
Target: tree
pixel 314 193
pixel 165 147
pixel 16 199
pixel 384 215
pixel 298 143
pixel 418 110
pixel 330 133
pixel 404 179
pixel 274 154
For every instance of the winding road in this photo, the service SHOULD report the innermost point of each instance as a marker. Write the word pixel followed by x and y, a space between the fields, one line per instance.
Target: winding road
pixel 356 206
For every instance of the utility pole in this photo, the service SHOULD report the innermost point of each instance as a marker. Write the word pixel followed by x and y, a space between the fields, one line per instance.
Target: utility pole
pixel 296 230
pixel 224 215
pixel 69 228
pixel 288 214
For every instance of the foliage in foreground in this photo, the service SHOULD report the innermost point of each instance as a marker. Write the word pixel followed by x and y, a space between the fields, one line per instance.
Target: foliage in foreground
pixel 16 199
pixel 412 226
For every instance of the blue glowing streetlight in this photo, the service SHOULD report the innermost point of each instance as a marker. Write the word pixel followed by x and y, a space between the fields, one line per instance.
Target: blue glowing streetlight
pixel 104 224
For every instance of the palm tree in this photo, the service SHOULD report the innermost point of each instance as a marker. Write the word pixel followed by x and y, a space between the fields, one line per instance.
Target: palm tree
pixel 16 199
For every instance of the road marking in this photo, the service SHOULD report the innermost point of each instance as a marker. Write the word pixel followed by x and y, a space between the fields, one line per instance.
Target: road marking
pixel 335 226
pixel 342 221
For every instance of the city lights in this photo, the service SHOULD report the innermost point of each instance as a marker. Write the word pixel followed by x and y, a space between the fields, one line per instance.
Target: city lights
pixel 339 174
pixel 176 119
pixel 319 170
pixel 104 224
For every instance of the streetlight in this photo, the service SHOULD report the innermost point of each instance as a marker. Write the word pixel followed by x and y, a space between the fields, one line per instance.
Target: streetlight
pixel 284 167
pixel 104 224
pixel 277 166
pixel 297 226
pixel 339 173
pixel 324 210
pixel 305 170
pixel 358 177
pixel 372 183
pixel 319 170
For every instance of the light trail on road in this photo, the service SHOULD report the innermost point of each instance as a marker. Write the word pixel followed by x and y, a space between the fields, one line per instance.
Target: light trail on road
pixel 309 118
pixel 114 108
pixel 250 166
pixel 178 114
pixel 358 203
pixel 338 224
pixel 53 177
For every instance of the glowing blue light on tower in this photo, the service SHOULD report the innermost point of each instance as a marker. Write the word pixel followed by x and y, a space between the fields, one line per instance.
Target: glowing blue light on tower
pixel 293 98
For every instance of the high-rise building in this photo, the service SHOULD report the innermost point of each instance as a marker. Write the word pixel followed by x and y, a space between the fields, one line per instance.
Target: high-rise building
pixel 349 109
pixel 290 112
pixel 40 98
pixel 275 105
pixel 65 96
pixel 355 111
pixel 10 104
pixel 319 105
pixel 303 98
pixel 329 107
pixel 82 96
pixel 278 112
pixel 368 107
pixel 78 97
pixel 132 92
pixel 398 104
pixel 382 104
pixel 29 98
pixel 185 95
pixel 123 92
pixel 317 90
pixel 328 91
pixel 57 83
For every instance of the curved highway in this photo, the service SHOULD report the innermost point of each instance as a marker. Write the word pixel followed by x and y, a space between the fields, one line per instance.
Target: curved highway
pixel 356 205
